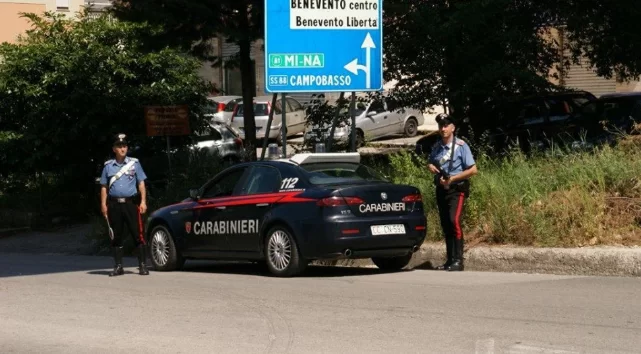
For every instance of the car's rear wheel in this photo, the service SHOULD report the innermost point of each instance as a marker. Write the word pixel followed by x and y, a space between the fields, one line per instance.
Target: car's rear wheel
pixel 164 254
pixel 282 254
pixel 392 263
pixel 411 127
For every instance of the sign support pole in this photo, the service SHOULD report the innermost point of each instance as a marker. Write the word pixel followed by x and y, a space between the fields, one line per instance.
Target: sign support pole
pixel 268 127
pixel 334 121
pixel 352 109
pixel 283 126
pixel 168 154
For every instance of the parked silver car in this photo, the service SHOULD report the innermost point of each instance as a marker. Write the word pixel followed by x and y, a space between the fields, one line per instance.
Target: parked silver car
pixel 374 119
pixel 295 117
pixel 221 108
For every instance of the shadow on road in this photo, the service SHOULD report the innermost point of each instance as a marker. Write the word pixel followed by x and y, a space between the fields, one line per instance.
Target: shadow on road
pixel 106 272
pixel 260 270
pixel 15 265
pixel 427 265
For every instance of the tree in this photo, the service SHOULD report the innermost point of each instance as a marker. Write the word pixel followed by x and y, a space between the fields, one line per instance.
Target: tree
pixel 68 85
pixel 465 53
pixel 191 24
pixel 605 32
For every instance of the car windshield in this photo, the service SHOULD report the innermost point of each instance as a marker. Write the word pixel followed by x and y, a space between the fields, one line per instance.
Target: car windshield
pixel 339 173
pixel 260 109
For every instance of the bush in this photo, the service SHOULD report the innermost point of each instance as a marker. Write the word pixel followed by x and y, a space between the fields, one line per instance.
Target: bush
pixel 556 198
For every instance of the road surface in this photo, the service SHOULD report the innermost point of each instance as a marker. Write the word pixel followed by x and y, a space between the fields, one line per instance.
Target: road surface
pixel 68 304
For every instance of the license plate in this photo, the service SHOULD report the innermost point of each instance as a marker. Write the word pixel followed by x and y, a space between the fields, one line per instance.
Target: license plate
pixel 394 229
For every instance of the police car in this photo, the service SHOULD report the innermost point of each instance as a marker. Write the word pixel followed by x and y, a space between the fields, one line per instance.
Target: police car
pixel 289 212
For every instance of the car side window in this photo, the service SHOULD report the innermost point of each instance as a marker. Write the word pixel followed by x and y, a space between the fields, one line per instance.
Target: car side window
pixel 559 109
pixel 295 105
pixel 225 185
pixel 263 179
pixel 215 135
pixel 377 106
pixel 532 112
pixel 278 107
pixel 391 105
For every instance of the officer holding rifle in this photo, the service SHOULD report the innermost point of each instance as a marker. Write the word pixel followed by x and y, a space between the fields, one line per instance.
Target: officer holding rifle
pixel 452 164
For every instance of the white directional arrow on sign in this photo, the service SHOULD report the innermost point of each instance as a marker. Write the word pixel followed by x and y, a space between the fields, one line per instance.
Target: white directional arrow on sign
pixel 353 66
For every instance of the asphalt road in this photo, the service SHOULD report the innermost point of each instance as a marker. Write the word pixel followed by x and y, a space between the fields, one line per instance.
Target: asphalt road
pixel 68 304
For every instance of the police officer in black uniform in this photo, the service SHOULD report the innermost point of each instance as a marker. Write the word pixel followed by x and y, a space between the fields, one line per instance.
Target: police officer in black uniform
pixel 452 164
pixel 123 200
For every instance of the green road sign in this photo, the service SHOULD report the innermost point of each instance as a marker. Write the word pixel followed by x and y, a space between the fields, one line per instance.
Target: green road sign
pixel 298 60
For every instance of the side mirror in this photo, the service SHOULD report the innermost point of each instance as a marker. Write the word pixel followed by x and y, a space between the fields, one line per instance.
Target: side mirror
pixel 194 194
pixel 371 113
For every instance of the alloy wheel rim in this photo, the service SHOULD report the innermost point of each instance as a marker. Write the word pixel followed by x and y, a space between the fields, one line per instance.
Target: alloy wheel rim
pixel 279 250
pixel 160 247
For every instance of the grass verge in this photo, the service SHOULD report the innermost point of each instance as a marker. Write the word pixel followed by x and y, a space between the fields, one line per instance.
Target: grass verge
pixel 555 199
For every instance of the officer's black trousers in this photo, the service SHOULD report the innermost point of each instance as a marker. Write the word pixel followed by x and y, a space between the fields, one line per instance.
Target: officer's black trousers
pixel 125 220
pixel 451 205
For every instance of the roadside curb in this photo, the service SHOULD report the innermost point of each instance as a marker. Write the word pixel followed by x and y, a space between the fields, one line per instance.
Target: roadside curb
pixel 592 261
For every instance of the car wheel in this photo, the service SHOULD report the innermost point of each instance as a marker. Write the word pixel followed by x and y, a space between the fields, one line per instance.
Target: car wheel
pixel 392 263
pixel 411 127
pixel 163 252
pixel 281 253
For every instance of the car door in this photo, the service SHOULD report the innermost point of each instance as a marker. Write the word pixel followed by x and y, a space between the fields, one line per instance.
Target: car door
pixel 297 124
pixel 376 121
pixel 245 215
pixel 396 118
pixel 207 233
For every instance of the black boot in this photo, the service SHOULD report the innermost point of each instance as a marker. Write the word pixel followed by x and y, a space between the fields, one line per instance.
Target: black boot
pixel 457 265
pixel 142 257
pixel 449 250
pixel 117 252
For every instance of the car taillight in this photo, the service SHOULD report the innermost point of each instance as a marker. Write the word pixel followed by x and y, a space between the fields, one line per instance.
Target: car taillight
pixel 338 201
pixel 413 198
pixel 238 142
pixel 221 107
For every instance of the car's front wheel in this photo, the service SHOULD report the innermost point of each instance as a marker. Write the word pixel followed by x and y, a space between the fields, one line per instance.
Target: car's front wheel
pixel 392 263
pixel 282 254
pixel 164 254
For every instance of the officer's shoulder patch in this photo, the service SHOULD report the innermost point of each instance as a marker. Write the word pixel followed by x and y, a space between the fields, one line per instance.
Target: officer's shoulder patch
pixel 108 162
pixel 460 142
pixel 133 159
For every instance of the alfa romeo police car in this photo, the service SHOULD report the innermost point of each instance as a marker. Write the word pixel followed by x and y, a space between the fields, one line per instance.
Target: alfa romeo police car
pixel 288 212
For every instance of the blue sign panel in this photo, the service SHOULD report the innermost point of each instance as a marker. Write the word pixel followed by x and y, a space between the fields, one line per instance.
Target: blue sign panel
pixel 323 45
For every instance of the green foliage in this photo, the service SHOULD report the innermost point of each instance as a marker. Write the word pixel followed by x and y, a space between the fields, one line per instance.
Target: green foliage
pixel 463 54
pixel 559 198
pixel 193 24
pixel 604 32
pixel 68 85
